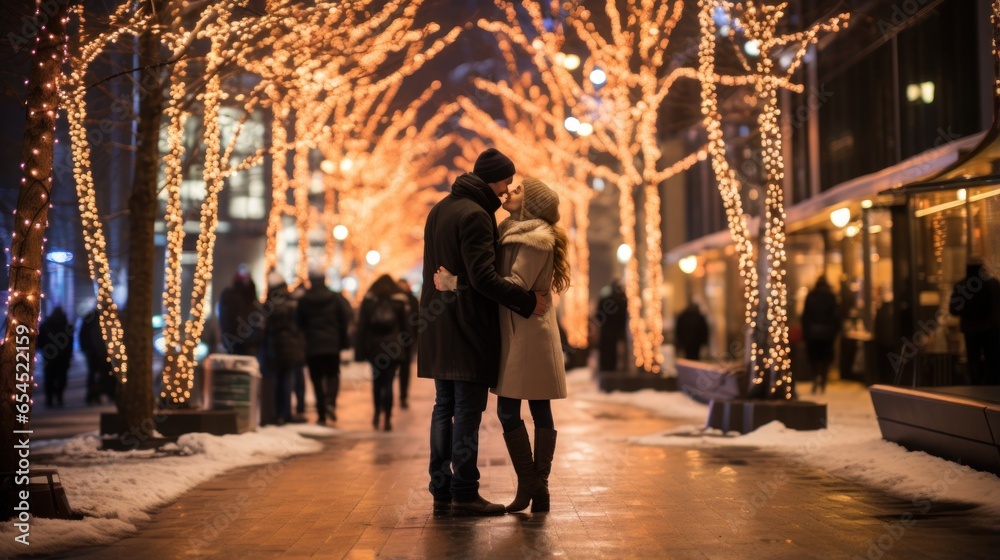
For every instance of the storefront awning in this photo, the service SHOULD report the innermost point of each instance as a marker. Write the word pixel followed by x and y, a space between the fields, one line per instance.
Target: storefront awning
pixel 817 209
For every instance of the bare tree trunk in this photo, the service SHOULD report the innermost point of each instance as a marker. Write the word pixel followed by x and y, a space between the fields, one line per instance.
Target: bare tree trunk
pixel 135 398
pixel 18 349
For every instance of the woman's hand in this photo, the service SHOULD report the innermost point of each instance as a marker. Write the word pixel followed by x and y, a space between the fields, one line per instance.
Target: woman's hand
pixel 445 281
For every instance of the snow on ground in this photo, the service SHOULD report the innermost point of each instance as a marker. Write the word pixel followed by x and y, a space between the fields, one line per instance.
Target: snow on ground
pixel 851 447
pixel 115 490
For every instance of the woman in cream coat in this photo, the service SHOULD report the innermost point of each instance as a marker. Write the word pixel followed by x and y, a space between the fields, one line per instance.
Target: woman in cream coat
pixel 532 366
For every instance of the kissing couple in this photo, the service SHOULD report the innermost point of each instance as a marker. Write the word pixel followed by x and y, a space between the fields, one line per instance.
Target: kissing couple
pixel 491 326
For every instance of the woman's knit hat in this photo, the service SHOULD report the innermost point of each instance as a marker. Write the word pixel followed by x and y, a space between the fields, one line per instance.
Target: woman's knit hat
pixel 539 201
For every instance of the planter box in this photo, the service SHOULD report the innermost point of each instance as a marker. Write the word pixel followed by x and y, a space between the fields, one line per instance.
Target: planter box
pixel 173 423
pixel 746 415
pixel 609 381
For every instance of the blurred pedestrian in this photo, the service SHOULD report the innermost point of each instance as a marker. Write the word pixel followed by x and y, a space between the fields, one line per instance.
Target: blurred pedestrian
pixel 55 341
pixel 612 323
pixel 95 350
pixel 299 384
pixel 283 347
pixel 692 331
pixel 324 321
pixel 382 327
pixel 239 326
pixel 820 325
pixel 975 299
pixel 409 349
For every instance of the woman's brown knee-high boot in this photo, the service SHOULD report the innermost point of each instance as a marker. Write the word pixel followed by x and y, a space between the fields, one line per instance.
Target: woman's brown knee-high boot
pixel 545 448
pixel 528 482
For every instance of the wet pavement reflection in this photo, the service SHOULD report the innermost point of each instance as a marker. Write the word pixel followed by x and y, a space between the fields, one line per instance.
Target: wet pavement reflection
pixel 365 497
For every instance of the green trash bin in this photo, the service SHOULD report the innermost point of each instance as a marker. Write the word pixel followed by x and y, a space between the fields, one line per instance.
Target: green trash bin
pixel 233 383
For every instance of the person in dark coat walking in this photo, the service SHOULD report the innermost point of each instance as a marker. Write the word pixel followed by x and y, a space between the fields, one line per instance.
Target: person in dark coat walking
pixel 460 331
pixel 283 350
pixel 381 340
pixel 692 331
pixel 324 321
pixel 99 367
pixel 55 341
pixel 237 304
pixel 975 299
pixel 406 363
pixel 612 323
pixel 820 325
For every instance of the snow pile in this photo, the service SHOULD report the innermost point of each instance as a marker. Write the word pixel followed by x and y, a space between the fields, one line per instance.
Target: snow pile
pixel 851 447
pixel 116 490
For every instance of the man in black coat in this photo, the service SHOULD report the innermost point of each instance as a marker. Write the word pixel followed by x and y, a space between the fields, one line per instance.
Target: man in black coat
pixel 460 331
pixel 612 321
pixel 975 299
pixel 323 319
pixel 692 331
pixel 820 325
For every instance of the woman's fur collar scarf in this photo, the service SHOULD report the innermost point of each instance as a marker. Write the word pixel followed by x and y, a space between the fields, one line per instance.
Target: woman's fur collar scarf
pixel 534 233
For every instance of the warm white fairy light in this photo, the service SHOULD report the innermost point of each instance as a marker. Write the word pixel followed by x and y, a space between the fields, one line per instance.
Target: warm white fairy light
pixel 770 359
pixel 28 239
pixel 173 170
pixel 93 232
pixel 631 56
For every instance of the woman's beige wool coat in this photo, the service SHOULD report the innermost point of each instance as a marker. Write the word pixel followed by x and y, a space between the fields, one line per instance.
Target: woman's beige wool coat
pixel 532 366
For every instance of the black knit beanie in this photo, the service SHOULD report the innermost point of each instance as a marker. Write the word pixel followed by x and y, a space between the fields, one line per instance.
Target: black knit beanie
pixel 493 167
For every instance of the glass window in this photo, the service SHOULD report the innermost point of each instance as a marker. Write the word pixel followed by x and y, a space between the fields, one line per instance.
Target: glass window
pixel 856 123
pixel 938 78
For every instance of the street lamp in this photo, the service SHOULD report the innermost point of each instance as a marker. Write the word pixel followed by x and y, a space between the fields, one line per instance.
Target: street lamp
pixel 327 166
pixel 572 124
pixel 373 257
pixel 840 217
pixel 346 164
pixel 624 253
pixel 598 77
pixel 688 264
pixel 340 232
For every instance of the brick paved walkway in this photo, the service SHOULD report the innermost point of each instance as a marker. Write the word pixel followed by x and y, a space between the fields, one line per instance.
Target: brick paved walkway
pixel 365 497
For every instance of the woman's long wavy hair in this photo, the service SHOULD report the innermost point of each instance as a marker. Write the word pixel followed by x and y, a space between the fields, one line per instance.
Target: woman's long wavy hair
pixel 560 273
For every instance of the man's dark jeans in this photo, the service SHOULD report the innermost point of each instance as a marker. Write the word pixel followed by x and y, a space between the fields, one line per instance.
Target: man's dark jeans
pixel 458 410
